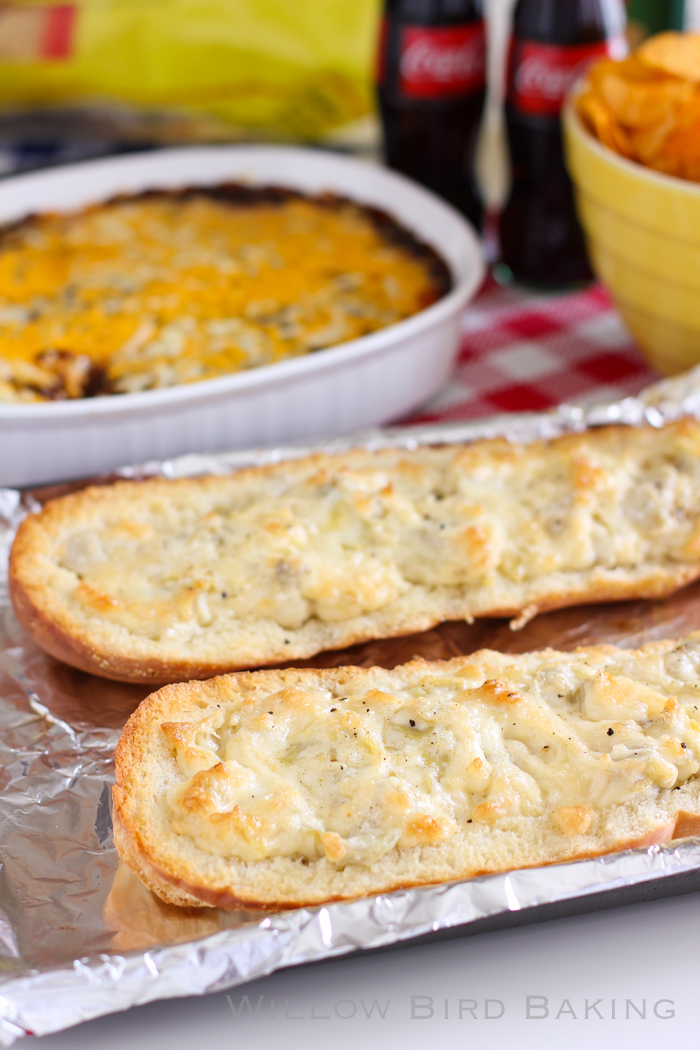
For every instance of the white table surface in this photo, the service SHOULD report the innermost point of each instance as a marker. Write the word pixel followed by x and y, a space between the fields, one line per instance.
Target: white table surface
pixel 644 952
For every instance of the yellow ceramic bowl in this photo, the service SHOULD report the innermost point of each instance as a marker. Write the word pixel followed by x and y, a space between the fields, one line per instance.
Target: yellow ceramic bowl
pixel 643 232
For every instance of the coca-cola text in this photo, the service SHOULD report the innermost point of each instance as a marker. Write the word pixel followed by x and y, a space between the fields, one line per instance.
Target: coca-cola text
pixel 439 61
pixel 431 83
pixel 546 72
pixel 552 43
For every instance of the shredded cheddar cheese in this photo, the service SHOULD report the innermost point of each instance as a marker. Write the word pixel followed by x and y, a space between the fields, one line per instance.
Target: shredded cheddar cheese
pixel 168 288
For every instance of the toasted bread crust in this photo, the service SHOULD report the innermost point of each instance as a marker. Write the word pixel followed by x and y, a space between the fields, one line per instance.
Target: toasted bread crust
pixel 170 857
pixel 187 894
pixel 128 849
pixel 487 574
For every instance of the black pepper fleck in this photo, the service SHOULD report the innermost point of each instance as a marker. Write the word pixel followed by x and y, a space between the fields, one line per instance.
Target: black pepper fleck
pixel 683 745
pixel 611 732
pixel 334 709
pixel 224 594
pixel 411 722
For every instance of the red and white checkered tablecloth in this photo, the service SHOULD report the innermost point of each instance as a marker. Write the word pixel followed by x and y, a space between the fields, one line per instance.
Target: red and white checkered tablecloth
pixel 528 352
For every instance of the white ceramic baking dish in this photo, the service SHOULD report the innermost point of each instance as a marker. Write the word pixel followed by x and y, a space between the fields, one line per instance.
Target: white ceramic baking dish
pixel 367 381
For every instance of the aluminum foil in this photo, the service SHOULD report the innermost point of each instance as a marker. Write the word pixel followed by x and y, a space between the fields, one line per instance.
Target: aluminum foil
pixel 81 937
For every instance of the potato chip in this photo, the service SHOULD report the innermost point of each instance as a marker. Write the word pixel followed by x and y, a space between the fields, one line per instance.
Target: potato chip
pixel 682 146
pixel 647 106
pixel 688 116
pixel 674 53
pixel 601 121
pixel 600 70
pixel 638 104
pixel 635 70
pixel 667 166
pixel 648 141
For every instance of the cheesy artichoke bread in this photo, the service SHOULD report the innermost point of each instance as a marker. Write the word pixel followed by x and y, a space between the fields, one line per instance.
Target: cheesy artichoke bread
pixel 174 287
pixel 295 787
pixel 167 580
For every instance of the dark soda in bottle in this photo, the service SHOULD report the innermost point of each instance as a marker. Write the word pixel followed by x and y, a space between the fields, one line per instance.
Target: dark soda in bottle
pixel 431 77
pixel 552 43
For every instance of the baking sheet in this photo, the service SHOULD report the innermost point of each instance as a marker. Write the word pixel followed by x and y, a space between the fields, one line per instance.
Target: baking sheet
pixel 81 937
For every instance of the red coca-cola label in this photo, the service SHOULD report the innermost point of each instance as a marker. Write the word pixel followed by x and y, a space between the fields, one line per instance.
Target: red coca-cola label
pixel 444 61
pixel 541 74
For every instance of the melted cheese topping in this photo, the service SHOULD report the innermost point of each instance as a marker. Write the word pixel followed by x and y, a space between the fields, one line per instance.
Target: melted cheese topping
pixel 348 776
pixel 150 292
pixel 209 561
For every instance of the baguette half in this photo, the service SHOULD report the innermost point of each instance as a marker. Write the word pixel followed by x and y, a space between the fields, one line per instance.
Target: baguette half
pixel 277 789
pixel 169 580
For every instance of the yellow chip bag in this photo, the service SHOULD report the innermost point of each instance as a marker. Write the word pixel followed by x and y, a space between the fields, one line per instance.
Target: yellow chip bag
pixel 173 70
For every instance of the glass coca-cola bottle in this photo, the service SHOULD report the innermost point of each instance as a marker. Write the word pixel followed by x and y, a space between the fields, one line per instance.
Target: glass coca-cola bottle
pixel 552 42
pixel 431 74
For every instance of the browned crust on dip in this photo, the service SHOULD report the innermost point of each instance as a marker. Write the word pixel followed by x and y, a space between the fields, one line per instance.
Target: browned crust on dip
pixel 166 287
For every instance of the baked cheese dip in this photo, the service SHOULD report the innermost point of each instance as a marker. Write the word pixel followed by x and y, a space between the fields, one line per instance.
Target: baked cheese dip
pixel 164 288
